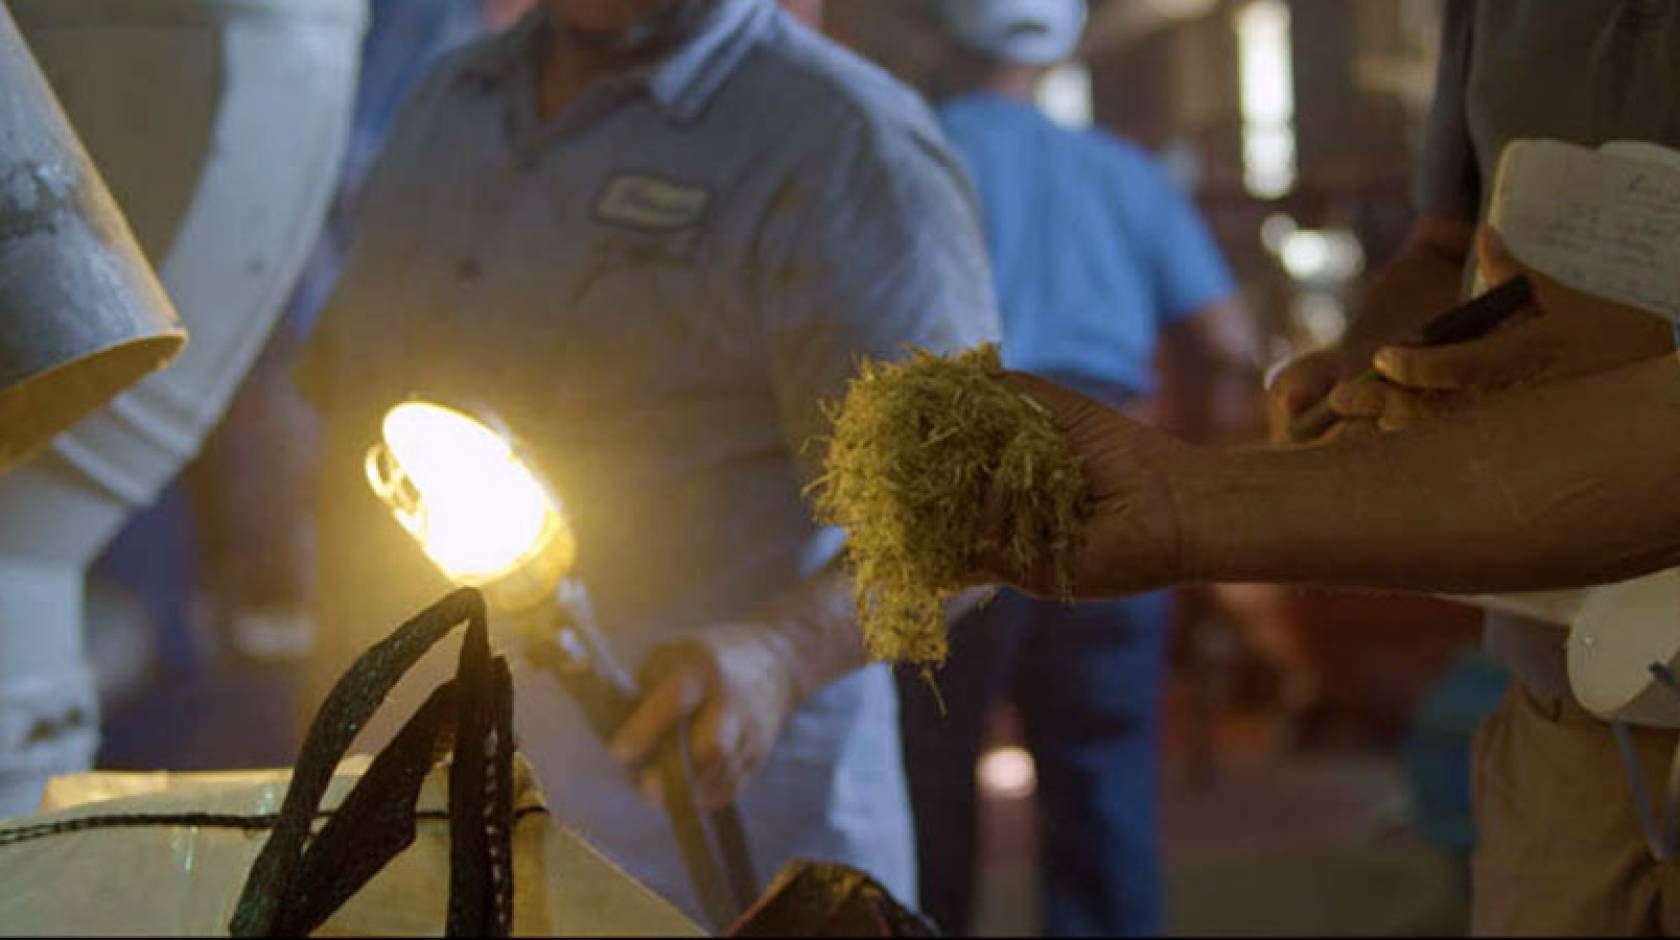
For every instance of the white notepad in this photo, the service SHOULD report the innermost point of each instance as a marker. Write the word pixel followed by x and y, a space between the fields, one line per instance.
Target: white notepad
pixel 1607 222
pixel 1604 221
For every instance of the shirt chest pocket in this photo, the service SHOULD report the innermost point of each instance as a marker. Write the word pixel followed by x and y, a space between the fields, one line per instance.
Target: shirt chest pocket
pixel 645 241
pixel 620 267
pixel 641 308
pixel 610 291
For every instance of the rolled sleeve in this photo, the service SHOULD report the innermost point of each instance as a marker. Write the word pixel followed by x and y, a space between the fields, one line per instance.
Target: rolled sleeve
pixel 887 253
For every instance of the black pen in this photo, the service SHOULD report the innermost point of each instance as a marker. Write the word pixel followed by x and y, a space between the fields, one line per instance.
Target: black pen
pixel 1467 321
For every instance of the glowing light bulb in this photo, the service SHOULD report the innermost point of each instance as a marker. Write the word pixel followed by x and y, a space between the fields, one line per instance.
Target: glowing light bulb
pixel 459 488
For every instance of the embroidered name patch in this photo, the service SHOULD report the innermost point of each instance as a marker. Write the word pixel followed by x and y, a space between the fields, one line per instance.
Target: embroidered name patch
pixel 650 202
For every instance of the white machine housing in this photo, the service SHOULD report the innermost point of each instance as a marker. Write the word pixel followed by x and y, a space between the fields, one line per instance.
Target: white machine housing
pixel 219 126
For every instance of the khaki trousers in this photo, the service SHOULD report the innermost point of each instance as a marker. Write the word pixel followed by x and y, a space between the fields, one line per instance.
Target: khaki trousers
pixel 1560 849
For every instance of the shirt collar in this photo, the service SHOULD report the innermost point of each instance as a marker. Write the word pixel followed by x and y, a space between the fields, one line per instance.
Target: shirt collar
pixel 685 81
pixel 681 84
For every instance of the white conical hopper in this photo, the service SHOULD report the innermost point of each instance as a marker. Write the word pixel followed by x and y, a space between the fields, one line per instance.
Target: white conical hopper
pixel 219 126
pixel 82 316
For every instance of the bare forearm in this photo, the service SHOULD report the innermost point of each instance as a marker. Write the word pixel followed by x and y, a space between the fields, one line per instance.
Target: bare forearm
pixel 1556 486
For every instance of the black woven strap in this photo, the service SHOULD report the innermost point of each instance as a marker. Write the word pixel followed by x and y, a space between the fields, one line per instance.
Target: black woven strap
pixel 296 882
pixel 375 822
pixel 237 822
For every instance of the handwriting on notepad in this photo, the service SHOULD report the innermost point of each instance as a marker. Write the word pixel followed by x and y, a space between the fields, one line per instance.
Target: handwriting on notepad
pixel 1604 223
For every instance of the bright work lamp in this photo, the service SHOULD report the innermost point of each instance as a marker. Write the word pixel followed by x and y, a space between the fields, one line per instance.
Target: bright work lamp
pixel 479 513
pixel 486 519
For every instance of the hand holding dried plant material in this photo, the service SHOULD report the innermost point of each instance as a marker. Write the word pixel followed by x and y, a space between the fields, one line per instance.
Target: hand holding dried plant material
pixel 1133 539
pixel 936 465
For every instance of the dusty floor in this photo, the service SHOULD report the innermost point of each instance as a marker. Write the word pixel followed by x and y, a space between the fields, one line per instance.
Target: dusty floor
pixel 1308 847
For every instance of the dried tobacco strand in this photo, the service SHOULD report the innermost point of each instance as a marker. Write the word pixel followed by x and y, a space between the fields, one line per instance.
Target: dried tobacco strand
pixel 917 448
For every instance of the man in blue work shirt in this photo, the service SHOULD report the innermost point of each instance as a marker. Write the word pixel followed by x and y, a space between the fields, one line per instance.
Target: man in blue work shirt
pixel 652 236
pixel 1099 260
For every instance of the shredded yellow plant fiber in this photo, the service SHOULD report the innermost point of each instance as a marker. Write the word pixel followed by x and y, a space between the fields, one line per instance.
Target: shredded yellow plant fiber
pixel 918 449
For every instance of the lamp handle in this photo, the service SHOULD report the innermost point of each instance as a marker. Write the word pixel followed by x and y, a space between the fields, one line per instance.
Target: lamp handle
pixel 576 656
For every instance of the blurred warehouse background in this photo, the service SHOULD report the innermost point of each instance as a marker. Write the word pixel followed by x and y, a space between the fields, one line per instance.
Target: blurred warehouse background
pixel 1317 742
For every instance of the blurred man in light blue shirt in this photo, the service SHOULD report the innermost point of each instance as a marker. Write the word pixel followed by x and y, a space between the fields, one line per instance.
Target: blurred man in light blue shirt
pixel 1096 252
pixel 653 236
pixel 1101 265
